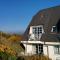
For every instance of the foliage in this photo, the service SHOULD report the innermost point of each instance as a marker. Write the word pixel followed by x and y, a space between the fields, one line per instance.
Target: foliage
pixel 7 49
pixel 36 57
pixel 10 43
pixel 3 34
pixel 6 56
pixel 15 38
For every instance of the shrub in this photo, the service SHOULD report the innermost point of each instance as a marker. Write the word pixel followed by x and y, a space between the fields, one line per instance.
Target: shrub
pixel 6 56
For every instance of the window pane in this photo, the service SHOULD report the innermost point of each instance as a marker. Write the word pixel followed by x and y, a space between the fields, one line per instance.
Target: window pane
pixel 54 29
pixel 39 49
pixel 37 31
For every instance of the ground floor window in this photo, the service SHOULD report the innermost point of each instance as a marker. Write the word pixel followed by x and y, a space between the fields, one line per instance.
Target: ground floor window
pixel 39 48
pixel 57 49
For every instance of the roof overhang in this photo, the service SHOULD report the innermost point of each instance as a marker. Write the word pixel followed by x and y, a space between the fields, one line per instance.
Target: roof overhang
pixel 34 42
pixel 40 42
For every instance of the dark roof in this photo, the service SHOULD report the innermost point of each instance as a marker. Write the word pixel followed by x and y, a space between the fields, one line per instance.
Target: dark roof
pixel 46 17
pixel 50 38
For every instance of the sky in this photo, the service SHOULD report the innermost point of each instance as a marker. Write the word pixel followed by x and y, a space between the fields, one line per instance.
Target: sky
pixel 15 15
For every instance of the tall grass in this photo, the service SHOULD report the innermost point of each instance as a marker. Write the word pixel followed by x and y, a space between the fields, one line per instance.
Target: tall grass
pixel 36 57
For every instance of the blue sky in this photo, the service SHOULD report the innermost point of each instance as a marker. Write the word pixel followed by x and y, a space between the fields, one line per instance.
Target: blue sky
pixel 15 15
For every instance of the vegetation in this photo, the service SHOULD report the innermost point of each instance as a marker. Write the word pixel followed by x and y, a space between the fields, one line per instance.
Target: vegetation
pixel 7 56
pixel 10 48
pixel 34 57
pixel 10 43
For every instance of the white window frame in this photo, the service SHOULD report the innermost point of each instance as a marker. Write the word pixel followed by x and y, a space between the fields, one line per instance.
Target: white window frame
pixel 40 31
pixel 53 29
pixel 39 49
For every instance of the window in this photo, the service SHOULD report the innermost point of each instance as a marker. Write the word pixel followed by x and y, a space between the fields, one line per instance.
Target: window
pixel 39 48
pixel 54 29
pixel 34 30
pixel 57 49
pixel 37 31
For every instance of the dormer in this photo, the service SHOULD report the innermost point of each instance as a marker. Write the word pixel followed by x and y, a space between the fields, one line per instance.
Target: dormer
pixel 54 29
pixel 36 31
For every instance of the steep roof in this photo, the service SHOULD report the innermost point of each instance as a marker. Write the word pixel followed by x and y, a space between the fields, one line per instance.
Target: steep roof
pixel 50 38
pixel 46 17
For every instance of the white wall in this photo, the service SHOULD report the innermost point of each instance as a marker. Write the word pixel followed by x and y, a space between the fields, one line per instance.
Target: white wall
pixel 34 49
pixel 45 50
pixel 51 53
pixel 30 32
pixel 30 49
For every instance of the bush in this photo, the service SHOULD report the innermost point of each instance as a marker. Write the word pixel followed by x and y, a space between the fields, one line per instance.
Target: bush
pixel 6 56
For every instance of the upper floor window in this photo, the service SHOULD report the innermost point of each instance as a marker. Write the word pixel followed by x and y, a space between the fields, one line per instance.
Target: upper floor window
pixel 37 30
pixel 54 29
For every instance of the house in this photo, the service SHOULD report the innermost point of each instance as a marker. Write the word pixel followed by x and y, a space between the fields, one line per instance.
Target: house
pixel 42 35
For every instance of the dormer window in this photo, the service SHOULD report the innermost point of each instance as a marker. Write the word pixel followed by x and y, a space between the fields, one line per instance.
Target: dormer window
pixel 37 30
pixel 54 29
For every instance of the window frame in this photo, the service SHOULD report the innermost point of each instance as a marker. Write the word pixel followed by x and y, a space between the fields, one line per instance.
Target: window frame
pixel 38 29
pixel 39 48
pixel 54 27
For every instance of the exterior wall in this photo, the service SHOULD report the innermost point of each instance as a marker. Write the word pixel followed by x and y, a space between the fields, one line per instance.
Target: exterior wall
pixel 49 51
pixel 30 32
pixel 45 50
pixel 33 49
pixel 30 49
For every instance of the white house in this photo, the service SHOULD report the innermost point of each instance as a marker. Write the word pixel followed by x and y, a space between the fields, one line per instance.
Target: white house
pixel 42 35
